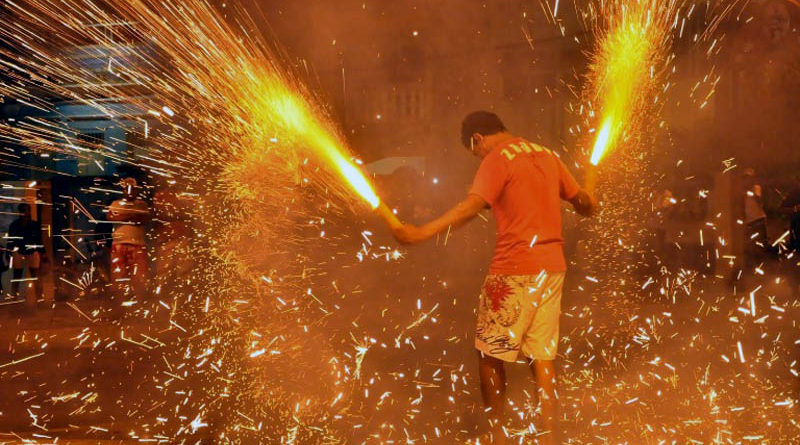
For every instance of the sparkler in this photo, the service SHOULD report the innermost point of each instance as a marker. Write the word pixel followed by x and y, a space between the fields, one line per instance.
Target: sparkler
pixel 632 37
pixel 247 99
pixel 301 123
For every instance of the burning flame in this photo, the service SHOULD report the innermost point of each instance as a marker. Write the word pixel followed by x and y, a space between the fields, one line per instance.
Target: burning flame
pixel 602 143
pixel 356 179
pixel 300 123
pixel 632 41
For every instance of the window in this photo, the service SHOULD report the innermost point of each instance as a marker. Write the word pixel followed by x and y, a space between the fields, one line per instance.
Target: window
pixel 408 102
pixel 91 141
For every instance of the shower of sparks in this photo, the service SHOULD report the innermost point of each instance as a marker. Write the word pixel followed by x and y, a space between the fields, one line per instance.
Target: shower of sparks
pixel 196 78
pixel 238 152
pixel 285 105
pixel 275 320
pixel 632 39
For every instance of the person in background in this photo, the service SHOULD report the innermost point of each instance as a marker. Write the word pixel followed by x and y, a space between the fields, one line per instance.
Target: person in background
pixel 5 263
pixel 524 184
pixel 406 192
pixel 662 207
pixel 128 242
pixel 791 207
pixel 755 220
pixel 27 252
pixel 173 236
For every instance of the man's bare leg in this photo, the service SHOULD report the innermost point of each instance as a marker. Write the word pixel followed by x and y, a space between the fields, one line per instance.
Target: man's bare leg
pixel 37 286
pixel 545 373
pixel 16 281
pixel 493 389
pixel 138 272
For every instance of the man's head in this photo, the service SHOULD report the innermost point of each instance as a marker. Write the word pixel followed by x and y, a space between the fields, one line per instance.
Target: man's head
pixel 477 127
pixel 25 211
pixel 129 186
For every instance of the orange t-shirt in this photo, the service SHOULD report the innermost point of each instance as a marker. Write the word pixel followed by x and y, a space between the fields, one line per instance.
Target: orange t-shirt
pixel 524 184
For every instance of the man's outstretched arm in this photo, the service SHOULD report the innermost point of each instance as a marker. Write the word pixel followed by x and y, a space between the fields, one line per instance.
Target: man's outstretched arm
pixel 455 217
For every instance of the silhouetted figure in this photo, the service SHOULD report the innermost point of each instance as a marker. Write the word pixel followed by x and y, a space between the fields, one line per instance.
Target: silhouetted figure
pixel 663 205
pixel 172 235
pixel 791 207
pixel 27 253
pixel 129 245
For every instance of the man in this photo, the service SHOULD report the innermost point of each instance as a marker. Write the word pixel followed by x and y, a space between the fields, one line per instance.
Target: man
pixel 791 207
pixel 128 244
pixel 27 252
pixel 520 301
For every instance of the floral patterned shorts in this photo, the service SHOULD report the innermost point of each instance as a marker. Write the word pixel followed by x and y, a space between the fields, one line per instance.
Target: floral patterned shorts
pixel 520 313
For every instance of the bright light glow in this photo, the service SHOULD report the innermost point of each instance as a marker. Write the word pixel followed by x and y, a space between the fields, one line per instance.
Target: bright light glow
pixel 633 36
pixel 286 108
pixel 602 143
pixel 357 180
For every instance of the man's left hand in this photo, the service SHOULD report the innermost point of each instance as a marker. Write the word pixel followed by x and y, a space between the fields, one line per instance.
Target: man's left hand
pixel 409 234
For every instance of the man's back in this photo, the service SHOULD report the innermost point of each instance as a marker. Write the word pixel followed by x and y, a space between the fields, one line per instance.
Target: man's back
pixel 25 235
pixel 524 184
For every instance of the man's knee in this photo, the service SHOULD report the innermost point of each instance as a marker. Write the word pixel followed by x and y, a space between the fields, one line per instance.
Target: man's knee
pixel 488 361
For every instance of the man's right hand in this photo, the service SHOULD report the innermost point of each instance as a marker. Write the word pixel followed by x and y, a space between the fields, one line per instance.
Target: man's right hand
pixel 409 234
pixel 585 203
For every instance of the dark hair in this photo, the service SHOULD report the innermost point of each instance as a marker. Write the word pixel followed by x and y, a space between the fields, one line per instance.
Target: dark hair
pixel 23 207
pixel 484 123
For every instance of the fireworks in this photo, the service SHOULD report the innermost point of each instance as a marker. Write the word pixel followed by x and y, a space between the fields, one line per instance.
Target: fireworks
pixel 277 319
pixel 289 110
pixel 242 153
pixel 195 76
pixel 631 43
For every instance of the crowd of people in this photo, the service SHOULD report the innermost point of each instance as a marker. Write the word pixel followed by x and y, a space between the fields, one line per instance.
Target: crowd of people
pixel 127 247
pixel 765 230
pixel 767 233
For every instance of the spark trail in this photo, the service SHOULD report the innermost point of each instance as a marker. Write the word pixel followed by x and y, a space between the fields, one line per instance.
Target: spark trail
pixel 631 45
pixel 243 156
